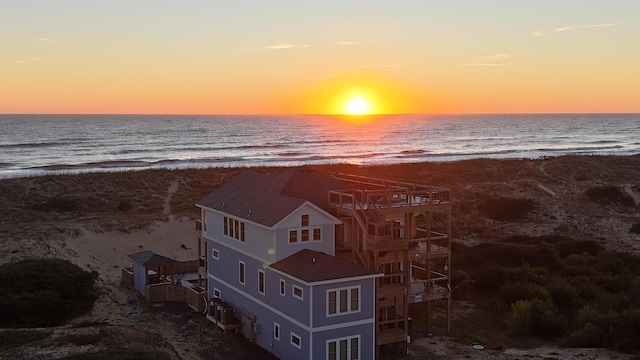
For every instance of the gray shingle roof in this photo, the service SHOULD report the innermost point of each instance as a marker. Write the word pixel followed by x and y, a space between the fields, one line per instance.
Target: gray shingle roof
pixel 149 257
pixel 301 265
pixel 267 199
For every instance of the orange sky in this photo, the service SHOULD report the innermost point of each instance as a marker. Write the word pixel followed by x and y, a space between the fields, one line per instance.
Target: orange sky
pixel 311 57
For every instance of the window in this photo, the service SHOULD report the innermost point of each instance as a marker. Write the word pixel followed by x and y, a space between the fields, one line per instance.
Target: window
pixel 343 301
pixel 234 228
pixel 297 292
pixel 317 234
pixel 296 341
pixel 261 282
pixel 283 287
pixel 293 236
pixel 276 331
pixel 241 273
pixel 215 254
pixel 304 221
pixel 305 235
pixel 217 293
pixel 204 220
pixel 344 348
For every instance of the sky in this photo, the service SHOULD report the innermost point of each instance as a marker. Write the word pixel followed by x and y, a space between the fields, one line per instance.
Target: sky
pixel 317 57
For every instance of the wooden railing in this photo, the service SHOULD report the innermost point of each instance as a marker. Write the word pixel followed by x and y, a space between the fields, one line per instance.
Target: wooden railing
pixel 184 267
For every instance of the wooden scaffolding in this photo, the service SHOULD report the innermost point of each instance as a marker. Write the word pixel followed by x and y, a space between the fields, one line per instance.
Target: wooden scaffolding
pixel 404 231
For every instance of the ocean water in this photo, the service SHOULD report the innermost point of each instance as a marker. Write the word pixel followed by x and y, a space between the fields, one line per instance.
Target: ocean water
pixel 44 144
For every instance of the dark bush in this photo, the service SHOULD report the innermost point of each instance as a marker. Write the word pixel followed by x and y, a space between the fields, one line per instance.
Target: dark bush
pixel 635 228
pixel 57 204
pixel 566 248
pixel 564 295
pixel 488 278
pixel 506 209
pixel 511 292
pixel 122 354
pixel 43 292
pixel 610 194
pixel 14 338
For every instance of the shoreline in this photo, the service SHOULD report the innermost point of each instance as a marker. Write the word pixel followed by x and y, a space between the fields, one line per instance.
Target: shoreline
pixel 96 219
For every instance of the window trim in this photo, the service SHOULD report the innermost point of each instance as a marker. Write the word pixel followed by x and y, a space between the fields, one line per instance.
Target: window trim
pixel 276 331
pixel 216 290
pixel 242 272
pixel 262 281
pixel 283 287
pixel 349 339
pixel 293 292
pixel 338 300
pixel 299 345
pixel 214 252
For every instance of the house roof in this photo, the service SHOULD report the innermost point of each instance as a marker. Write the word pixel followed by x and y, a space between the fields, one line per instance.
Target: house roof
pixel 148 257
pixel 267 199
pixel 313 266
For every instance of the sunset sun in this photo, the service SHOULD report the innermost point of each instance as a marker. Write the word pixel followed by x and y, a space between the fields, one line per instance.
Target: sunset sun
pixel 357 106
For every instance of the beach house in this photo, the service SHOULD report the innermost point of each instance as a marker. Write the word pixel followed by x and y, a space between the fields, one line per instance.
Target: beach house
pixel 311 265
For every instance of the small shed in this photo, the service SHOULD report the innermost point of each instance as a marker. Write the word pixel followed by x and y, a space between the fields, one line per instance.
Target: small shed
pixel 151 268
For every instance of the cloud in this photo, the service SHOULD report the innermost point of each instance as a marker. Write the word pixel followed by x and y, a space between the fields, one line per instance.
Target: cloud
pixel 567 28
pixel 346 43
pixel 491 60
pixel 286 46
pixel 394 67
pixel 27 60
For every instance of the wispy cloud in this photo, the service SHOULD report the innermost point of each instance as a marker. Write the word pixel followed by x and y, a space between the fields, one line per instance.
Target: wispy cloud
pixel 285 46
pixel 567 28
pixel 27 60
pixel 490 61
pixel 346 43
pixel 393 67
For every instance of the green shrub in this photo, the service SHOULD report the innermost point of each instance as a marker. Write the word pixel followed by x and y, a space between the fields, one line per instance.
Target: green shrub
pixel 610 194
pixel 506 209
pixel 528 274
pixel 43 292
pixel 535 317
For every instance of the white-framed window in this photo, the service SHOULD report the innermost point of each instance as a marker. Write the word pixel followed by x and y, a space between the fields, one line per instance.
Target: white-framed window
pixel 343 300
pixel 225 223
pixel 241 269
pixel 347 348
pixel 276 331
pixel 217 293
pixel 296 341
pixel 215 254
pixel 261 282
pixel 304 220
pixel 304 235
pixel 283 288
pixel 317 234
pixel 293 236
pixel 297 292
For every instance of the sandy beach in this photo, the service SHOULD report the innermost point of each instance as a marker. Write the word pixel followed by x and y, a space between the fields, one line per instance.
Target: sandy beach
pixel 95 220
